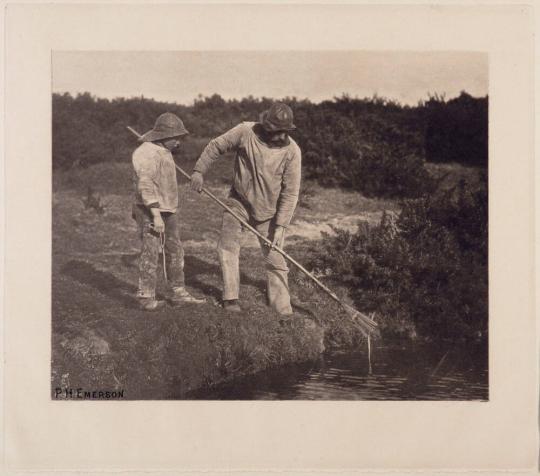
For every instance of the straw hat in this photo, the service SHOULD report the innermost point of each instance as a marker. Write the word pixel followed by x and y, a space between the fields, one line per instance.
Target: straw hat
pixel 167 125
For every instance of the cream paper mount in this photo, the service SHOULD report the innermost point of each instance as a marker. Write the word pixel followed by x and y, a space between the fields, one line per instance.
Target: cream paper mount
pixel 45 436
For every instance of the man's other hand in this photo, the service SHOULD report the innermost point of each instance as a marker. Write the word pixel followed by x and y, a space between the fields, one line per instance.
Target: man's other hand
pixel 197 181
pixel 279 236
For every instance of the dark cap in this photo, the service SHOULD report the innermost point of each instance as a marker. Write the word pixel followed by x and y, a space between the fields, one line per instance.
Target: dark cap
pixel 278 118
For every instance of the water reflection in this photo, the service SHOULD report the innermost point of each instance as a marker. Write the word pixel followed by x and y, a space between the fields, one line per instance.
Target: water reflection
pixel 399 372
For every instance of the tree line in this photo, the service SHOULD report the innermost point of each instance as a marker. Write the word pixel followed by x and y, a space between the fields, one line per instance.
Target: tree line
pixel 374 145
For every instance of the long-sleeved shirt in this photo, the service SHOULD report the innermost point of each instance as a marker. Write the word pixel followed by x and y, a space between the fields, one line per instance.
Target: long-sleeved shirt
pixel 267 178
pixel 155 177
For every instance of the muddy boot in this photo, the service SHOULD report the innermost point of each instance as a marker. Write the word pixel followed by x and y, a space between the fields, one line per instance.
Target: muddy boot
pixel 231 305
pixel 180 295
pixel 150 304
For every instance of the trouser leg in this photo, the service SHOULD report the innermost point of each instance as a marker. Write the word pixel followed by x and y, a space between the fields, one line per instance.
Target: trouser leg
pixel 148 259
pixel 277 285
pixel 174 251
pixel 228 248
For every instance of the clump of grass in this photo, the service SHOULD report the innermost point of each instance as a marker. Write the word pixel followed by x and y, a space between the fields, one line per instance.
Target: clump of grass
pixel 93 201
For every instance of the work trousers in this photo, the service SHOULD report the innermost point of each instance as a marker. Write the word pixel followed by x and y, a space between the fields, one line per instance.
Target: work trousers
pixel 229 246
pixel 151 246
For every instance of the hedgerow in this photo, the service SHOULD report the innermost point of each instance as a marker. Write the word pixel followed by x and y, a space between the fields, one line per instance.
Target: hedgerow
pixel 371 145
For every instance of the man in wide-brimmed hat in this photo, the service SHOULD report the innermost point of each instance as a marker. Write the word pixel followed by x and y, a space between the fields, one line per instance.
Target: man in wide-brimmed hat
pixel 156 204
pixel 264 192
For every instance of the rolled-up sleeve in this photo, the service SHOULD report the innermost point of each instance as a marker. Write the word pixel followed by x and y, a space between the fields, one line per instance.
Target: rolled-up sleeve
pixel 146 168
pixel 290 189
pixel 226 142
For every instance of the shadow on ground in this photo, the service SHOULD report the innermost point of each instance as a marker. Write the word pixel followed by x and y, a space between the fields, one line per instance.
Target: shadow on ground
pixel 108 284
pixel 104 282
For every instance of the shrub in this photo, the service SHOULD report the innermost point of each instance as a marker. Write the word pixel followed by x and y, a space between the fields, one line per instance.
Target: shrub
pixel 456 130
pixel 362 144
pixel 424 271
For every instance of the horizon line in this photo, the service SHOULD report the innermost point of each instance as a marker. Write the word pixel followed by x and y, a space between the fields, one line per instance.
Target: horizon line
pixel 429 95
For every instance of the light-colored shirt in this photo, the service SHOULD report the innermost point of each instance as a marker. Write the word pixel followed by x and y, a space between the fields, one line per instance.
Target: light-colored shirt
pixel 266 178
pixel 155 177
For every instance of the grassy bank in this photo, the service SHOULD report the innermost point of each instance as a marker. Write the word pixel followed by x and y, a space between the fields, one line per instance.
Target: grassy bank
pixel 101 340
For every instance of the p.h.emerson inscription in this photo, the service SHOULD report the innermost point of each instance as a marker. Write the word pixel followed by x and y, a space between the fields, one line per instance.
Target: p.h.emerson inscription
pixel 66 393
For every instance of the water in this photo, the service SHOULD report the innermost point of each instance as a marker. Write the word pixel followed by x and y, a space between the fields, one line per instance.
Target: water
pixel 398 372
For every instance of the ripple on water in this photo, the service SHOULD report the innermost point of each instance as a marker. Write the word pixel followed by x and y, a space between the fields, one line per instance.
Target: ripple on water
pixel 400 372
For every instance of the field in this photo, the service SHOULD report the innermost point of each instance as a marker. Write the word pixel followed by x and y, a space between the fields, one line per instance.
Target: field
pixel 101 340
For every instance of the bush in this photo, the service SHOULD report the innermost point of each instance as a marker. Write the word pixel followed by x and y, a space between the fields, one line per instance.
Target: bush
pixel 457 130
pixel 423 272
pixel 364 145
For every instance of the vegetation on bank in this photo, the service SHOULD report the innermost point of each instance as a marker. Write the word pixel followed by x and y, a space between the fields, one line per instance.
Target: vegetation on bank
pixel 424 271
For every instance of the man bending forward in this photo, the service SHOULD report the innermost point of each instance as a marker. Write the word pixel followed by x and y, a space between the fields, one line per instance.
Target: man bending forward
pixel 264 193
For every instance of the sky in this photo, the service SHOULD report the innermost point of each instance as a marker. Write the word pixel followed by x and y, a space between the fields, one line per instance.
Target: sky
pixel 181 76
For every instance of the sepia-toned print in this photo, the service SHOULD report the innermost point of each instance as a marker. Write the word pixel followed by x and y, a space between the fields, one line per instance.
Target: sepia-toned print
pixel 277 225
